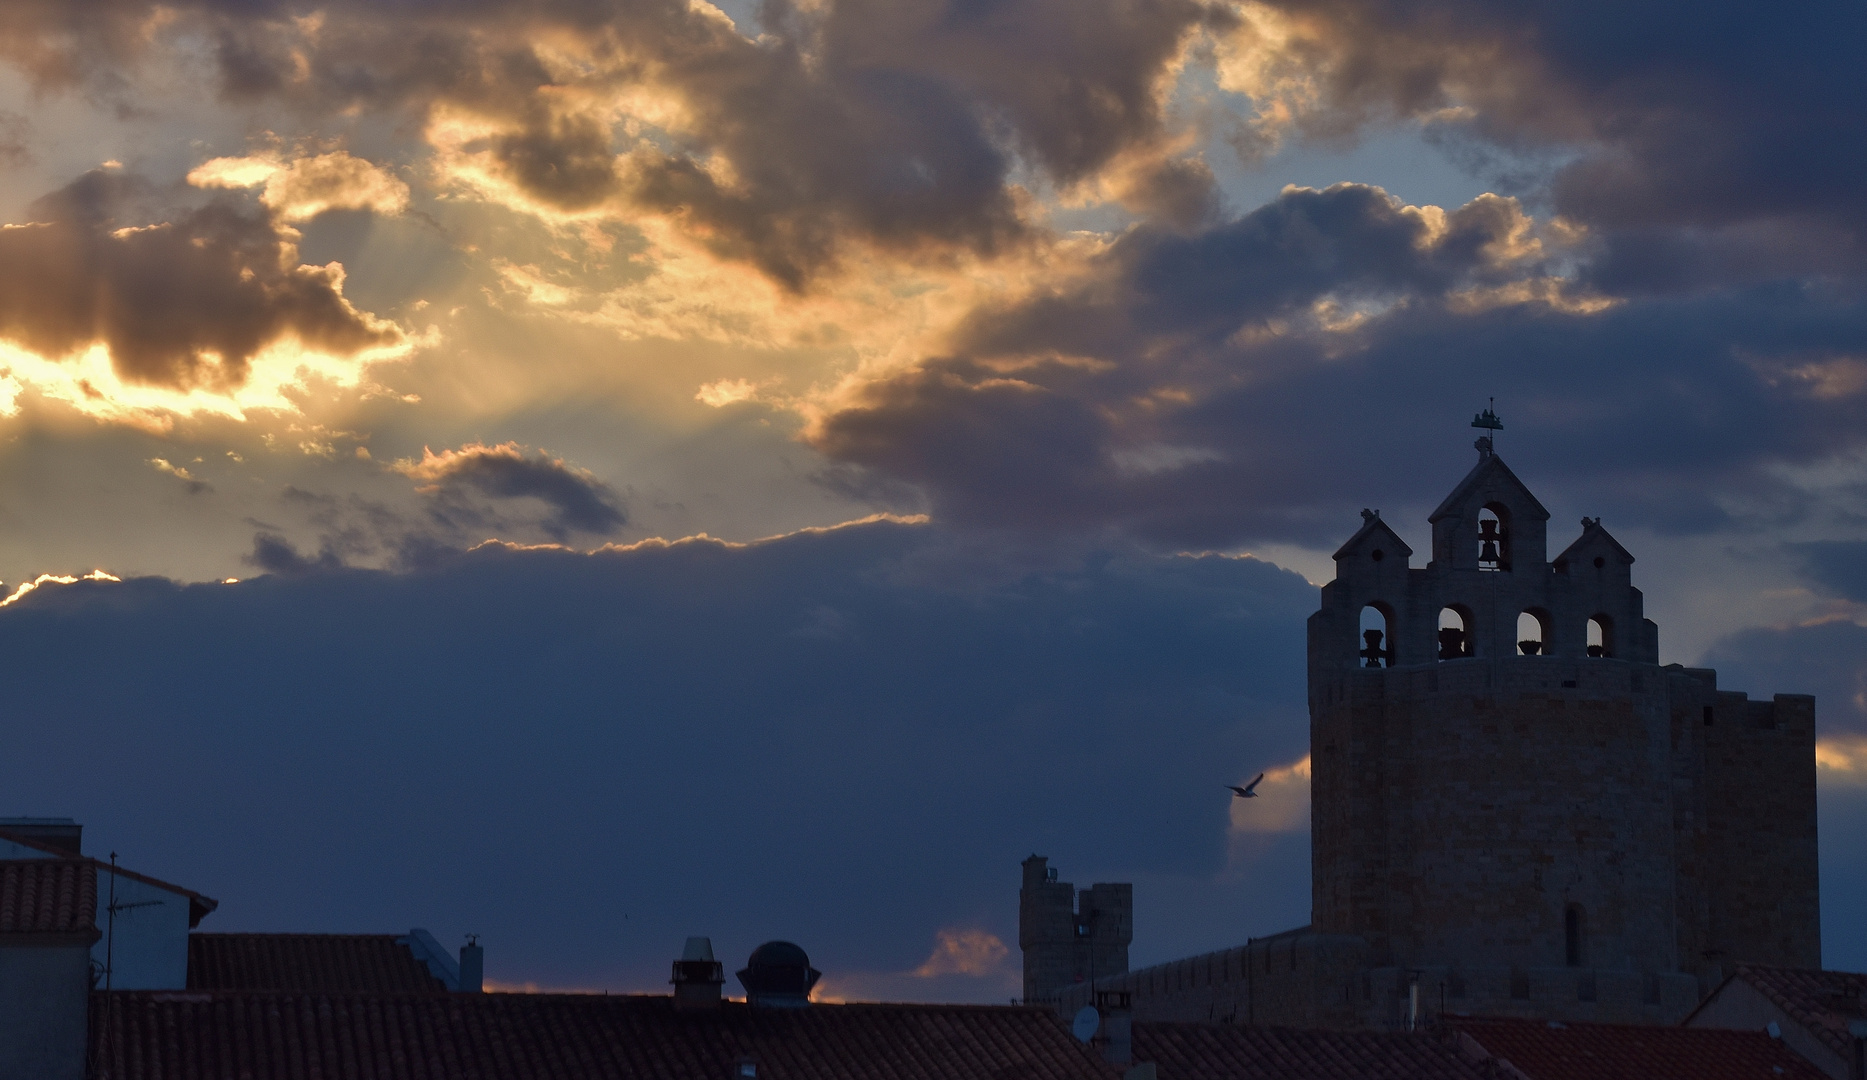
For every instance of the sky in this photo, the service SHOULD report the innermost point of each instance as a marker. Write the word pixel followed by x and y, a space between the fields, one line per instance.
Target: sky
pixel 589 472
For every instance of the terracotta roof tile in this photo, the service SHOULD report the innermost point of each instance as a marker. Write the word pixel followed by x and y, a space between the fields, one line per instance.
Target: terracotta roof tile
pixel 198 906
pixel 208 1036
pixel 308 963
pixel 48 896
pixel 1821 1001
pixel 1543 1050
pixel 1185 1051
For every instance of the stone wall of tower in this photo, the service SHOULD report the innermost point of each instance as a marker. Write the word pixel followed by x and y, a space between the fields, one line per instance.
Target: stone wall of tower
pixel 1537 827
pixel 1557 826
pixel 1760 832
pixel 1460 809
pixel 1070 938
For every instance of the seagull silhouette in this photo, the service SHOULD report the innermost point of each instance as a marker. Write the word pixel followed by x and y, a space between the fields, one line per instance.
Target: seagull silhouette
pixel 1248 791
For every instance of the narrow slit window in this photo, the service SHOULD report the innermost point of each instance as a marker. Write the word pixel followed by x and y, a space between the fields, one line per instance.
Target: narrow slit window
pixel 1574 934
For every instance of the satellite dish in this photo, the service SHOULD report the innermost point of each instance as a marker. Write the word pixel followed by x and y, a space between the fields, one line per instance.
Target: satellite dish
pixel 1087 1022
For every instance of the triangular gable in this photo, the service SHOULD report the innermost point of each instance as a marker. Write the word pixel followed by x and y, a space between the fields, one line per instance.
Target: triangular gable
pixel 1374 527
pixel 198 906
pixel 1594 538
pixel 1490 469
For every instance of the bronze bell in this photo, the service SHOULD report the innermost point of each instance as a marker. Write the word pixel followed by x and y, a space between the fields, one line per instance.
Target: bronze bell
pixel 1487 532
pixel 1374 654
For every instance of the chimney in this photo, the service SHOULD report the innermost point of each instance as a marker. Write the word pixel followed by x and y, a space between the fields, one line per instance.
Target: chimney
pixel 56 832
pixel 1857 1049
pixel 1117 1026
pixel 697 978
pixel 472 965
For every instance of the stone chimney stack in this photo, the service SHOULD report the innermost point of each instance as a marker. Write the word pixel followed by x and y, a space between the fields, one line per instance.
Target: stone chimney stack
pixel 697 978
pixel 472 965
pixel 1117 1026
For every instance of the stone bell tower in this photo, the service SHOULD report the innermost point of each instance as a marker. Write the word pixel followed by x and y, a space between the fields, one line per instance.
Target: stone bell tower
pixel 1512 796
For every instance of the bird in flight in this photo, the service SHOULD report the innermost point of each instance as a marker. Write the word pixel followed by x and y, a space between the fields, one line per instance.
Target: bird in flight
pixel 1248 791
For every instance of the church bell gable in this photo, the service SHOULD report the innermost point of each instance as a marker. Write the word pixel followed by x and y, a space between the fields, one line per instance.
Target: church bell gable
pixel 1518 529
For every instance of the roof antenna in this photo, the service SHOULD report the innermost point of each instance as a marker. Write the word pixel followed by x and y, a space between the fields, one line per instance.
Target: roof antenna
pixel 1488 420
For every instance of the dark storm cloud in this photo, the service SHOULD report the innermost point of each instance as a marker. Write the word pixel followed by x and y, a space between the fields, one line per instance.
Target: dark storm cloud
pixel 891 124
pixel 586 758
pixel 274 554
pixel 1351 242
pixel 1828 660
pixel 1839 566
pixel 1682 114
pixel 60 43
pixel 181 303
pixel 901 124
pixel 1653 415
pixel 1104 404
pixel 576 500
pixel 1193 392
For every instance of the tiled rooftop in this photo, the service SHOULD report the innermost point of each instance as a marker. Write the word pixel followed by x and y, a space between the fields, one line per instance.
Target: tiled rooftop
pixel 198 906
pixel 1544 1050
pixel 1227 1052
pixel 48 896
pixel 258 1036
pixel 308 963
pixel 1821 1001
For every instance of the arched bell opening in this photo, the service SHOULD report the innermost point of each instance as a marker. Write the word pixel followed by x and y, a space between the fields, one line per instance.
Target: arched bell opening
pixel 1377 647
pixel 1533 632
pixel 1494 537
pixel 1455 632
pixel 1601 636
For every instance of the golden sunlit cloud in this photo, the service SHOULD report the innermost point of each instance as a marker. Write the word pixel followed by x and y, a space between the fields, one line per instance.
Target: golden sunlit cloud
pixel 1556 293
pixel 725 392
pixel 1842 758
pixel 464 159
pixel 434 468
pixel 958 952
pixel 964 952
pixel 177 471
pixel 277 379
pixel 302 188
pixel 1282 803
pixel 1834 378
pixel 1266 58
pixel 55 579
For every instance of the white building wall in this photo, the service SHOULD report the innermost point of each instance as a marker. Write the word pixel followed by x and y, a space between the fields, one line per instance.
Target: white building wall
pixel 147 946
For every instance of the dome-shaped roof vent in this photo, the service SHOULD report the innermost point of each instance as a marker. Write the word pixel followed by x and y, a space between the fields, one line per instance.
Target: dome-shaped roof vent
pixel 779 974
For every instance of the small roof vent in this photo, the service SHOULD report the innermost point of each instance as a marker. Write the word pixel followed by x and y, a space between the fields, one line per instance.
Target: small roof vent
pixel 779 975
